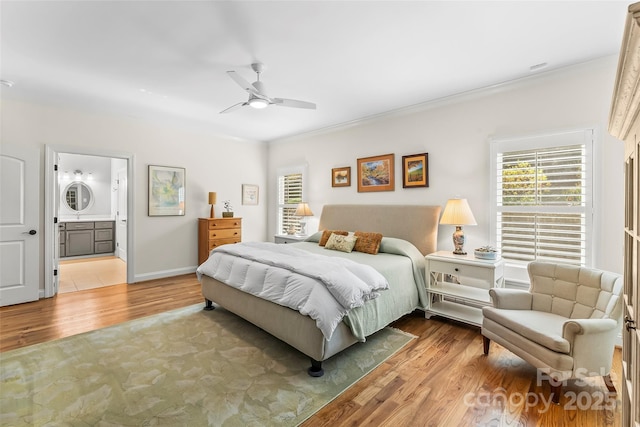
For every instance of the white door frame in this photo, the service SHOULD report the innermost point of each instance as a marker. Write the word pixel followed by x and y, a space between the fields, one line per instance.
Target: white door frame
pixel 51 155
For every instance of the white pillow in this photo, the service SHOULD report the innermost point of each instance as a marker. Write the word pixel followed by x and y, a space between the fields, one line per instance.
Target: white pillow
pixel 341 243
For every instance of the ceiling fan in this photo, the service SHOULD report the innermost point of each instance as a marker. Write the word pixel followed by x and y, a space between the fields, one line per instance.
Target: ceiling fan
pixel 257 94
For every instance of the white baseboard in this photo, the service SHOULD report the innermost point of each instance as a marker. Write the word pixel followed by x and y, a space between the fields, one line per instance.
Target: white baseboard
pixel 164 273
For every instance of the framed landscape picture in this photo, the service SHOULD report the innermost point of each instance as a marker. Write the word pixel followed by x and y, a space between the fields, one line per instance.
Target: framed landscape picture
pixel 166 191
pixel 415 170
pixel 341 177
pixel 376 173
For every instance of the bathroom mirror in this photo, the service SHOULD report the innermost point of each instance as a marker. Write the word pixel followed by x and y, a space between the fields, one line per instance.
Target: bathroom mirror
pixel 77 196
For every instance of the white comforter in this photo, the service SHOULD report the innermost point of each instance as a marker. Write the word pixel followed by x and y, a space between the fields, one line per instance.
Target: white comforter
pixel 323 287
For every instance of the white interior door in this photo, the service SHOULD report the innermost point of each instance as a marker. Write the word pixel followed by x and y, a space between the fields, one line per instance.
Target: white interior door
pixel 121 216
pixel 19 220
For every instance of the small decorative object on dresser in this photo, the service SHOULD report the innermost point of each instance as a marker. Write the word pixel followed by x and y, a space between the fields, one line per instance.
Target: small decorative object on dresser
pixel 228 209
pixel 214 232
pixel 212 201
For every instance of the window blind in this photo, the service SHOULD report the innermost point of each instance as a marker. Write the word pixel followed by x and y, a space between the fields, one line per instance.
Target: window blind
pixel 543 203
pixel 289 195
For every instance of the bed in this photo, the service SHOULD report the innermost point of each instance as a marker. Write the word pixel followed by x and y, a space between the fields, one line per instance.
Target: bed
pixel 409 232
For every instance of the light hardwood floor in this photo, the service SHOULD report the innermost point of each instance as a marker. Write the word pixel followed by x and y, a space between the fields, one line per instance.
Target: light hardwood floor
pixel 441 378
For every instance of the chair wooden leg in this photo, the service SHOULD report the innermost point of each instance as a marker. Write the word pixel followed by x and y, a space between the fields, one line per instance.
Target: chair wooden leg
pixel 485 344
pixel 609 383
pixel 556 390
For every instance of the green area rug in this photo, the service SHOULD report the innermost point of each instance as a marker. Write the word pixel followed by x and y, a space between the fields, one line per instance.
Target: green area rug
pixel 186 367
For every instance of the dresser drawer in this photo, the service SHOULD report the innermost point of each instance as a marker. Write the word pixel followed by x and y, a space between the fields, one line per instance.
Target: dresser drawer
pixel 219 223
pixel 463 270
pixel 220 242
pixel 224 233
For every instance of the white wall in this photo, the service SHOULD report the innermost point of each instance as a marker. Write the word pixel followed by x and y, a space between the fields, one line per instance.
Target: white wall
pixel 455 132
pixel 165 246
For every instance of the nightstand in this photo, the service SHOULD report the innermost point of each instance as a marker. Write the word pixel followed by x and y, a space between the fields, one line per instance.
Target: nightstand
pixel 458 285
pixel 288 238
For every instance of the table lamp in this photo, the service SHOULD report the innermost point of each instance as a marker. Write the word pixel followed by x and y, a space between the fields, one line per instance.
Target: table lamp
pixel 303 210
pixel 457 212
pixel 212 201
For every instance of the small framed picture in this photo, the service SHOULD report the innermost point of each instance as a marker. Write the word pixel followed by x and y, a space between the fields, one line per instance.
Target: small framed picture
pixel 376 173
pixel 249 194
pixel 415 170
pixel 166 191
pixel 341 177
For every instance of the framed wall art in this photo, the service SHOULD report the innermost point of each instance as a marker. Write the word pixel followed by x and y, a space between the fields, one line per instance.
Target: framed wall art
pixel 249 194
pixel 341 177
pixel 376 173
pixel 415 170
pixel 166 191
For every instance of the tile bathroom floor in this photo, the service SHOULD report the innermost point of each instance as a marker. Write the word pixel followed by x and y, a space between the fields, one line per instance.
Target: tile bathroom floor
pixel 91 273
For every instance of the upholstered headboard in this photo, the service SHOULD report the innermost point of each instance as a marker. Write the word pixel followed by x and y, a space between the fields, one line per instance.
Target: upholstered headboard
pixel 417 224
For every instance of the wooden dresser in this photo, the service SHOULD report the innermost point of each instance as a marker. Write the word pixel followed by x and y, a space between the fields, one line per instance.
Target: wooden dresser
pixel 213 232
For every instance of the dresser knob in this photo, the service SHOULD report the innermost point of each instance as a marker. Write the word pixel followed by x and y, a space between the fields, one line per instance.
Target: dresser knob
pixel 456 269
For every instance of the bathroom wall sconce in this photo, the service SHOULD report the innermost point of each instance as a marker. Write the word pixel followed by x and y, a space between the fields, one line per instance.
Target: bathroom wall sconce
pixel 77 174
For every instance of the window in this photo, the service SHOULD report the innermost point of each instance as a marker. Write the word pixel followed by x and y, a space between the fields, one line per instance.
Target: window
pixel 290 193
pixel 543 198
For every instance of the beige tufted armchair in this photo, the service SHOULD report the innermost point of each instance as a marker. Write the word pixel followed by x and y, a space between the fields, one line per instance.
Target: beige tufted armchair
pixel 565 325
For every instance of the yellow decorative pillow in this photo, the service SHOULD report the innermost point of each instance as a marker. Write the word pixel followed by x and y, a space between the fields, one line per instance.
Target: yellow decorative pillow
pixel 368 243
pixel 340 242
pixel 327 233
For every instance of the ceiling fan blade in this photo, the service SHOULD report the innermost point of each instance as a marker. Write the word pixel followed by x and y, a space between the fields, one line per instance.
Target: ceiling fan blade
pixel 234 107
pixel 245 85
pixel 283 102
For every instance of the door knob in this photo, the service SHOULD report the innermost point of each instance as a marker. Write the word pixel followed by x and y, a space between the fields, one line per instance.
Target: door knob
pixel 32 232
pixel 629 323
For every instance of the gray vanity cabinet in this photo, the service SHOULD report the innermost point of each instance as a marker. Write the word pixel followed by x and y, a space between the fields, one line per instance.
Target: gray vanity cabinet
pixel 103 237
pixel 79 238
pixel 86 238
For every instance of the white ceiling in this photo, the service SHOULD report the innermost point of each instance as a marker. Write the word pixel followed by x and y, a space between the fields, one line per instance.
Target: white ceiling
pixel 166 60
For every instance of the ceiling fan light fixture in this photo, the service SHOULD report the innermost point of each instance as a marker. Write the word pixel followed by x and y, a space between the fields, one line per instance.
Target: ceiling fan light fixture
pixel 258 103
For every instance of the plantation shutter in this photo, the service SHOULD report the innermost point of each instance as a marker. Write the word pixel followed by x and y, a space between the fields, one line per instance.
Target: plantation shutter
pixel 543 200
pixel 290 187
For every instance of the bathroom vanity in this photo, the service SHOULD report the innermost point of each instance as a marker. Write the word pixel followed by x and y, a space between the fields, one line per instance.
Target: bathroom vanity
pixel 86 237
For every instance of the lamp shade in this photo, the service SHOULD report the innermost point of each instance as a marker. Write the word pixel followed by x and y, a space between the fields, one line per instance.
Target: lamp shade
pixel 212 198
pixel 303 210
pixel 457 212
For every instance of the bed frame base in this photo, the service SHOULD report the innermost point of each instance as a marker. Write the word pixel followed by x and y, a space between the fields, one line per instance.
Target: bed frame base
pixel 208 305
pixel 316 369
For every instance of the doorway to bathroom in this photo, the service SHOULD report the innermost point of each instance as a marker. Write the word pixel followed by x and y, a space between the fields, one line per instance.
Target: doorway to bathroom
pixel 92 240
pixel 89 199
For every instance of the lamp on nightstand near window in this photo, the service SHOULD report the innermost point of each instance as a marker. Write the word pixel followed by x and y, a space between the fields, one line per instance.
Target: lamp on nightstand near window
pixel 457 212
pixel 303 210
pixel 212 201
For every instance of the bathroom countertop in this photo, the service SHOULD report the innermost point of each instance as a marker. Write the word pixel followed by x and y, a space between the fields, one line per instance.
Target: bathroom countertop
pixel 87 219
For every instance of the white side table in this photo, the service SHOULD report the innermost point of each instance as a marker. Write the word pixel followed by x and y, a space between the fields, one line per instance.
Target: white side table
pixel 458 285
pixel 288 238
